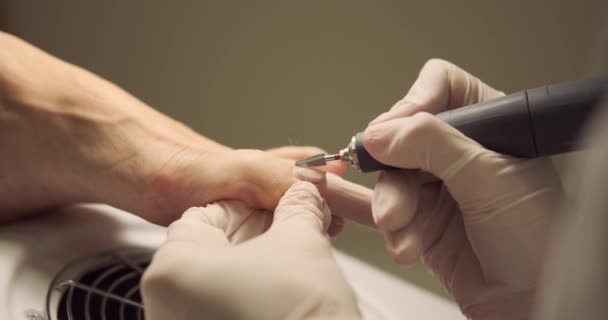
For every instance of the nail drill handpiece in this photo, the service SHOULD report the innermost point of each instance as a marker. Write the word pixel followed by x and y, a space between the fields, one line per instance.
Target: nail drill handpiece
pixel 531 123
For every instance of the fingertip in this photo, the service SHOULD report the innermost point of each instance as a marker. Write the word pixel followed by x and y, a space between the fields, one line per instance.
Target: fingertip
pixel 404 248
pixel 218 214
pixel 304 199
pixel 309 174
pixel 377 137
pixel 389 218
pixel 303 192
pixel 395 200
pixel 384 219
pixel 200 226
pixel 205 214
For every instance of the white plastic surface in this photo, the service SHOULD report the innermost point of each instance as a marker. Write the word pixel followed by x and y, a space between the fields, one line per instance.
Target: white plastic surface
pixel 33 251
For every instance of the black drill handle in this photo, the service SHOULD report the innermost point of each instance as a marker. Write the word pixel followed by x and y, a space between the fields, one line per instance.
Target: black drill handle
pixel 532 123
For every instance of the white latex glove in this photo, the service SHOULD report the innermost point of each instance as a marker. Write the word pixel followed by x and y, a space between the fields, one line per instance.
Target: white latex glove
pixel 483 225
pixel 210 268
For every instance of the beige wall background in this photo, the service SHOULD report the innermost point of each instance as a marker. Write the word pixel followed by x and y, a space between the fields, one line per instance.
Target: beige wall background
pixel 258 74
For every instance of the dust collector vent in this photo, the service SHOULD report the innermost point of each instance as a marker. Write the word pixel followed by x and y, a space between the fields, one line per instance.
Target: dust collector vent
pixel 103 287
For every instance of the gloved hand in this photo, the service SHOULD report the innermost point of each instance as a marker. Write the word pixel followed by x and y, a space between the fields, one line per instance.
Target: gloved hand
pixel 209 267
pixel 480 220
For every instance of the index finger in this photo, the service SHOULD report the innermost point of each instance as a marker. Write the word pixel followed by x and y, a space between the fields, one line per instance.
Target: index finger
pixel 440 86
pixel 344 198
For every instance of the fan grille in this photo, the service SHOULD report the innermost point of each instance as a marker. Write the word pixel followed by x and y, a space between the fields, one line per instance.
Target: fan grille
pixel 103 287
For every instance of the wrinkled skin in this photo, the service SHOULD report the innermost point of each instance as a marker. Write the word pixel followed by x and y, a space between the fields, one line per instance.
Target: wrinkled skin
pixel 68 136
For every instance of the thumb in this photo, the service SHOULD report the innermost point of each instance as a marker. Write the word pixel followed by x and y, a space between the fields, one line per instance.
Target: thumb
pixel 424 142
pixel 302 207
pixel 219 224
pixel 201 226
pixel 440 86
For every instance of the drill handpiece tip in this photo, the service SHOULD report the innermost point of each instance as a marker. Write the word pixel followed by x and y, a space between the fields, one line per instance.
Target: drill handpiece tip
pixel 314 161
pixel 318 160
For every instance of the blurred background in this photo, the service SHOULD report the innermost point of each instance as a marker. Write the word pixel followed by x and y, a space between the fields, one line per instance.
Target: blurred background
pixel 260 74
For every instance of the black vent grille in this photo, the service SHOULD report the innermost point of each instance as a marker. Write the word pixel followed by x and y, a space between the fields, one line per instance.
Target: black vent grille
pixel 106 290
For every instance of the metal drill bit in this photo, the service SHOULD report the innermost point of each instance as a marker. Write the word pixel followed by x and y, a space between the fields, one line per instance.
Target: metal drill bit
pixel 317 160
